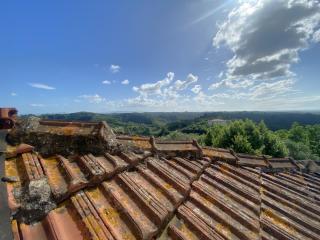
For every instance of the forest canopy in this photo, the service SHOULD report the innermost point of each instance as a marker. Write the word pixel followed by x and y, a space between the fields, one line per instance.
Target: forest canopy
pixel 277 134
pixel 245 136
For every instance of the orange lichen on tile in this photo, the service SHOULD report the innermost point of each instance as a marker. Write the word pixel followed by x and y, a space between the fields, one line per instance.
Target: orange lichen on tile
pixel 69 130
pixel 279 222
pixel 114 219
pixel 126 195
pixel 56 175
pixel 142 144
pixel 218 154
pixel 11 172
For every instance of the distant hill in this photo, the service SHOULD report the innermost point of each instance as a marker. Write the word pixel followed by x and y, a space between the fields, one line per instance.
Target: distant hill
pixel 274 120
pixel 300 141
pixel 189 122
pixel 142 118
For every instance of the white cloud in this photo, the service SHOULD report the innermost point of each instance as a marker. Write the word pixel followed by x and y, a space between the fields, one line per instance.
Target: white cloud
pixel 216 85
pixel 181 85
pixel 164 94
pixel 165 89
pixel 125 82
pixel 265 37
pixel 107 82
pixel 260 92
pixel 291 103
pixel 267 96
pixel 316 36
pixel 13 94
pixel 114 68
pixel 96 98
pixel 41 86
pixel 154 88
pixel 272 90
pixel 235 83
pixel 37 105
pixel 196 89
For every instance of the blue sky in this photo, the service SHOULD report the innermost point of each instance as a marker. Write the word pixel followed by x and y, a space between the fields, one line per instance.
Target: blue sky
pixel 165 55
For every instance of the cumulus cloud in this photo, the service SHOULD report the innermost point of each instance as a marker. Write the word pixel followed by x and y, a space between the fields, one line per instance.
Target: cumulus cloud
pixel 216 85
pixel 316 36
pixel 136 89
pixel 114 68
pixel 166 89
pixel 265 37
pixel 107 82
pixel 41 86
pixel 96 98
pixel 164 94
pixel 13 94
pixel 181 85
pixel 196 89
pixel 276 95
pixel 265 90
pixel 294 103
pixel 261 92
pixel 125 82
pixel 154 88
pixel 244 83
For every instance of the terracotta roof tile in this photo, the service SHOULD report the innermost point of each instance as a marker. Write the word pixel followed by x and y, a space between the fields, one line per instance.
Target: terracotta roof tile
pixel 163 147
pixel 69 128
pixel 309 165
pixel 125 195
pixel 61 137
pixel 289 207
pixel 176 146
pixel 133 205
pixel 281 163
pixel 251 160
pixel 234 203
pixel 140 142
pixel 12 171
pixel 66 176
pixel 223 203
pixel 219 154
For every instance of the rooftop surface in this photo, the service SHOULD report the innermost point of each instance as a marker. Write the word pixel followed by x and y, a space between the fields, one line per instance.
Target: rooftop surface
pixel 150 189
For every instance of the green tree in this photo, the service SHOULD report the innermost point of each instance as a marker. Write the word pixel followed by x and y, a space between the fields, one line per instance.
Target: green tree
pixel 208 140
pixel 247 137
pixel 314 138
pixel 298 133
pixel 241 144
pixel 303 142
pixel 300 151
pixel 273 146
pixel 254 134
